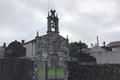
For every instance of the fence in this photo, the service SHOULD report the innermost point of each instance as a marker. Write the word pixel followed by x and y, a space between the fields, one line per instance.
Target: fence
pixel 16 69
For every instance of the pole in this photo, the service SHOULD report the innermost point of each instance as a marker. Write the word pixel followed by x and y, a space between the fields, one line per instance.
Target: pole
pixel 55 70
pixel 46 70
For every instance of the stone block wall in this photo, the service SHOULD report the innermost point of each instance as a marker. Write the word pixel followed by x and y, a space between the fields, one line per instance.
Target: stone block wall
pixel 94 71
pixel 16 69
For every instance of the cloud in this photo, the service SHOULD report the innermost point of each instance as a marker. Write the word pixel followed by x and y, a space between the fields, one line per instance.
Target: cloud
pixel 79 19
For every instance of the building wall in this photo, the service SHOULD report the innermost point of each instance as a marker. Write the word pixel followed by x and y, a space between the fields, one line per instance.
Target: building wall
pixel 30 49
pixel 2 51
pixel 50 44
pixel 103 56
pixel 44 48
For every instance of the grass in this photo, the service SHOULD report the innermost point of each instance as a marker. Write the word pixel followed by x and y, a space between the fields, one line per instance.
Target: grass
pixel 51 73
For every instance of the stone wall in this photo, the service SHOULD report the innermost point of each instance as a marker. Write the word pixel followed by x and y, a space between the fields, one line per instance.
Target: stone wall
pixel 16 69
pixel 94 71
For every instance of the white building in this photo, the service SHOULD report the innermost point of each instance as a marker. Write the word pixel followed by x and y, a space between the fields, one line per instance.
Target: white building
pixel 109 54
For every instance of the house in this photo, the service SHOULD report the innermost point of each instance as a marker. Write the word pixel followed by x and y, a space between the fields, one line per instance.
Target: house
pixel 107 54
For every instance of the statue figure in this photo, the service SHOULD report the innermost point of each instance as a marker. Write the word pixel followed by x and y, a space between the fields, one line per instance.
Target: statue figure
pixel 52 13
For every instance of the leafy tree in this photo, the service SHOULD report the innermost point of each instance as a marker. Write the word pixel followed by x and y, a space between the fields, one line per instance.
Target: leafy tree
pixel 76 48
pixel 76 51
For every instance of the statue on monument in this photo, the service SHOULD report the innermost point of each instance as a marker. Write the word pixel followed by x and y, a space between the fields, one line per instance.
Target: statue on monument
pixel 52 13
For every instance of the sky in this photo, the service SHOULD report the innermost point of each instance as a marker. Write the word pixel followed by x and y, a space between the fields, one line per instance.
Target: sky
pixel 81 20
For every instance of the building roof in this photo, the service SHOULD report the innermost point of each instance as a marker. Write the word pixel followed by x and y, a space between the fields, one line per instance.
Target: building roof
pixel 43 36
pixel 15 44
pixel 29 42
pixel 114 44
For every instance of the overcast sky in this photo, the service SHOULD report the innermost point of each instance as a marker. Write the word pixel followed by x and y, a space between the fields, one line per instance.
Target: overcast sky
pixel 79 19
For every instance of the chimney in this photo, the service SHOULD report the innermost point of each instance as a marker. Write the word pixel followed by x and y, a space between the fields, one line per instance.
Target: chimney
pixel 37 34
pixel 97 41
pixel 91 44
pixel 4 45
pixel 23 41
pixel 104 43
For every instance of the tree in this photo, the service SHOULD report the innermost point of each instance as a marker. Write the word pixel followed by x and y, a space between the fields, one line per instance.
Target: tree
pixel 75 48
pixel 76 51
